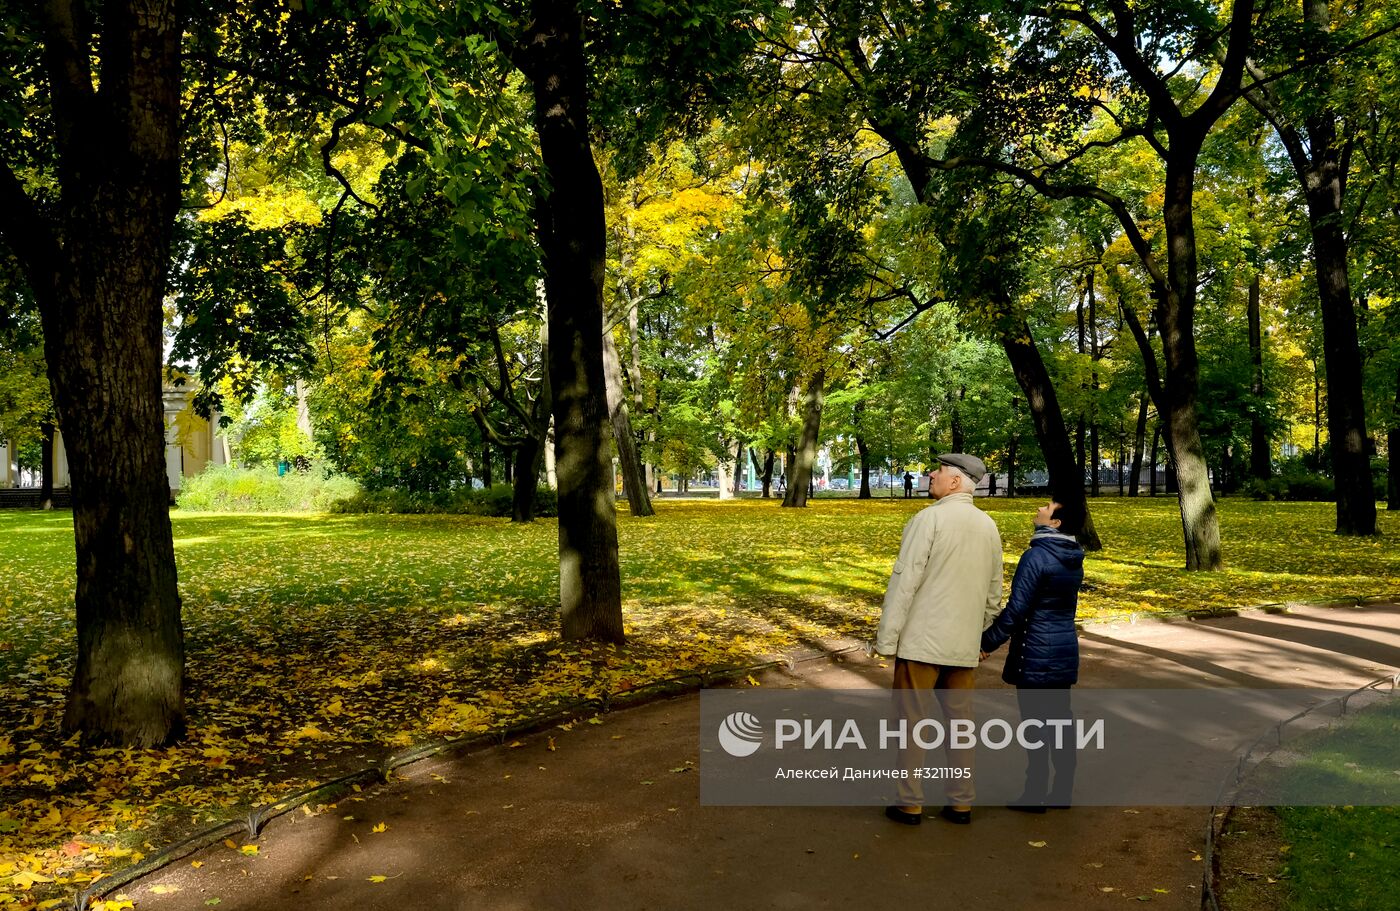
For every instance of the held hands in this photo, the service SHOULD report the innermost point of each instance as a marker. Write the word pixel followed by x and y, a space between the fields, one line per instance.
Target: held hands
pixel 982 656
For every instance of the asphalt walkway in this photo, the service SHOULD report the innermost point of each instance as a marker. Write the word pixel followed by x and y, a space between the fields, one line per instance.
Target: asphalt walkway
pixel 607 816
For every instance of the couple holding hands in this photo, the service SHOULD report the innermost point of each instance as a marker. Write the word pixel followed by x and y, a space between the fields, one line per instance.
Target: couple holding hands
pixel 942 615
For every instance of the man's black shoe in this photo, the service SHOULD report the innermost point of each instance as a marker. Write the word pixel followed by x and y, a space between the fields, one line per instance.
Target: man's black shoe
pixel 958 817
pixel 898 815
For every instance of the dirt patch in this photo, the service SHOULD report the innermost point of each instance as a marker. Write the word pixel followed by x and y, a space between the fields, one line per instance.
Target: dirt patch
pixel 1250 861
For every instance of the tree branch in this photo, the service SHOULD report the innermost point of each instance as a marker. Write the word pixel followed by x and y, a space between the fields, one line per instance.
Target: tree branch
pixel 28 234
pixel 66 60
pixel 1067 191
pixel 228 169
pixel 1232 68
pixel 1123 46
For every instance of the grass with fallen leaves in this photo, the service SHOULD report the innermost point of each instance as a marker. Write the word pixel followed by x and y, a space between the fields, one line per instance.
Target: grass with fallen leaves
pixel 320 643
pixel 1322 858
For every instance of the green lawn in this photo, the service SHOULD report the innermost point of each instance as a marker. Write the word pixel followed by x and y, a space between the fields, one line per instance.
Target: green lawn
pixel 1323 858
pixel 315 642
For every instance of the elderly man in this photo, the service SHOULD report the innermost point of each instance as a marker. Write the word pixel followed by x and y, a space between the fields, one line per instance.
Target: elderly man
pixel 944 591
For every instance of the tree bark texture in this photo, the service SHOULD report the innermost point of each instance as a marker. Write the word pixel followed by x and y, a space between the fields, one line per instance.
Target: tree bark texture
pixel 800 470
pixel 1066 480
pixel 1200 524
pixel 303 409
pixel 955 425
pixel 634 485
pixel 1260 457
pixel 46 431
pixel 1392 487
pixel 528 456
pixel 573 239
pixel 864 450
pixel 1139 438
pixel 1156 456
pixel 1346 410
pixel 1319 156
pixel 97 267
pixel 1095 455
pixel 1013 444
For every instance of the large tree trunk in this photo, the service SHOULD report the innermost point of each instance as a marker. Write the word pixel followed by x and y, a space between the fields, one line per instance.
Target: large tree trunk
pixel 634 484
pixel 1200 524
pixel 800 470
pixel 1122 458
pixel 955 424
pixel 1260 458
pixel 98 272
pixel 1139 437
pixel 1013 444
pixel 634 379
pixel 303 409
pixel 1156 457
pixel 739 460
pixel 528 456
pixel 551 478
pixel 1066 480
pixel 1346 410
pixel 1320 161
pixel 864 450
pixel 1392 485
pixel 574 242
pixel 46 464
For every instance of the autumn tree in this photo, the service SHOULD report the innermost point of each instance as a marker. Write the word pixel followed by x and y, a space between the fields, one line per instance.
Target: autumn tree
pixel 1315 115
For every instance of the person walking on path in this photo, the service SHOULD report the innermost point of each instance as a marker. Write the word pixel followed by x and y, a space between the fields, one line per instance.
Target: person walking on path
pixel 944 591
pixel 1043 661
pixel 908 485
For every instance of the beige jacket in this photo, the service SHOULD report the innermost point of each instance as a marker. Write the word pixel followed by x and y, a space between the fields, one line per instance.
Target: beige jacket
pixel 946 585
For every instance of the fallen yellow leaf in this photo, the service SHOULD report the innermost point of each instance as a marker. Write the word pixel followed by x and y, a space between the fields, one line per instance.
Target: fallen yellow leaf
pixel 26 880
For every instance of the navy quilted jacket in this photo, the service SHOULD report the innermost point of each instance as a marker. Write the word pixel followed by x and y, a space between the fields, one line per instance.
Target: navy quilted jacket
pixel 1039 615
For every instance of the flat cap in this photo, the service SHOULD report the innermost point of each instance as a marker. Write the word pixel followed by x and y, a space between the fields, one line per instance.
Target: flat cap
pixel 969 465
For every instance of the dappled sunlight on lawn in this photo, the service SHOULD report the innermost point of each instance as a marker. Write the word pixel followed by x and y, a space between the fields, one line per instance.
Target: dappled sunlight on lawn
pixel 318 643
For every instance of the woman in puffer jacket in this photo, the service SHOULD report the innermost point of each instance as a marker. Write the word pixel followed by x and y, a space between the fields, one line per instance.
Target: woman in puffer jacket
pixel 1043 661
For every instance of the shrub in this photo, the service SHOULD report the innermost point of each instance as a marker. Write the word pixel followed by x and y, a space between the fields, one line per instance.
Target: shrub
pixel 1295 486
pixel 491 501
pixel 223 488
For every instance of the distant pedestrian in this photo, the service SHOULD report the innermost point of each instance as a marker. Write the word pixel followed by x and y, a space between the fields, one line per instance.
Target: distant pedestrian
pixel 1043 661
pixel 908 485
pixel 944 591
pixel 782 483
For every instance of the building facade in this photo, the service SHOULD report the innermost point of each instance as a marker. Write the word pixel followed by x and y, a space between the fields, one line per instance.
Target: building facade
pixel 191 445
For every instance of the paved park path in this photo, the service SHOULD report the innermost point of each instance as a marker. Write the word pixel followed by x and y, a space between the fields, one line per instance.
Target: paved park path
pixel 597 818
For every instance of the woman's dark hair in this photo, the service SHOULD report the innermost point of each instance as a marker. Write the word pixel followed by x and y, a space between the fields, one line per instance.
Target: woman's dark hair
pixel 1071 518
